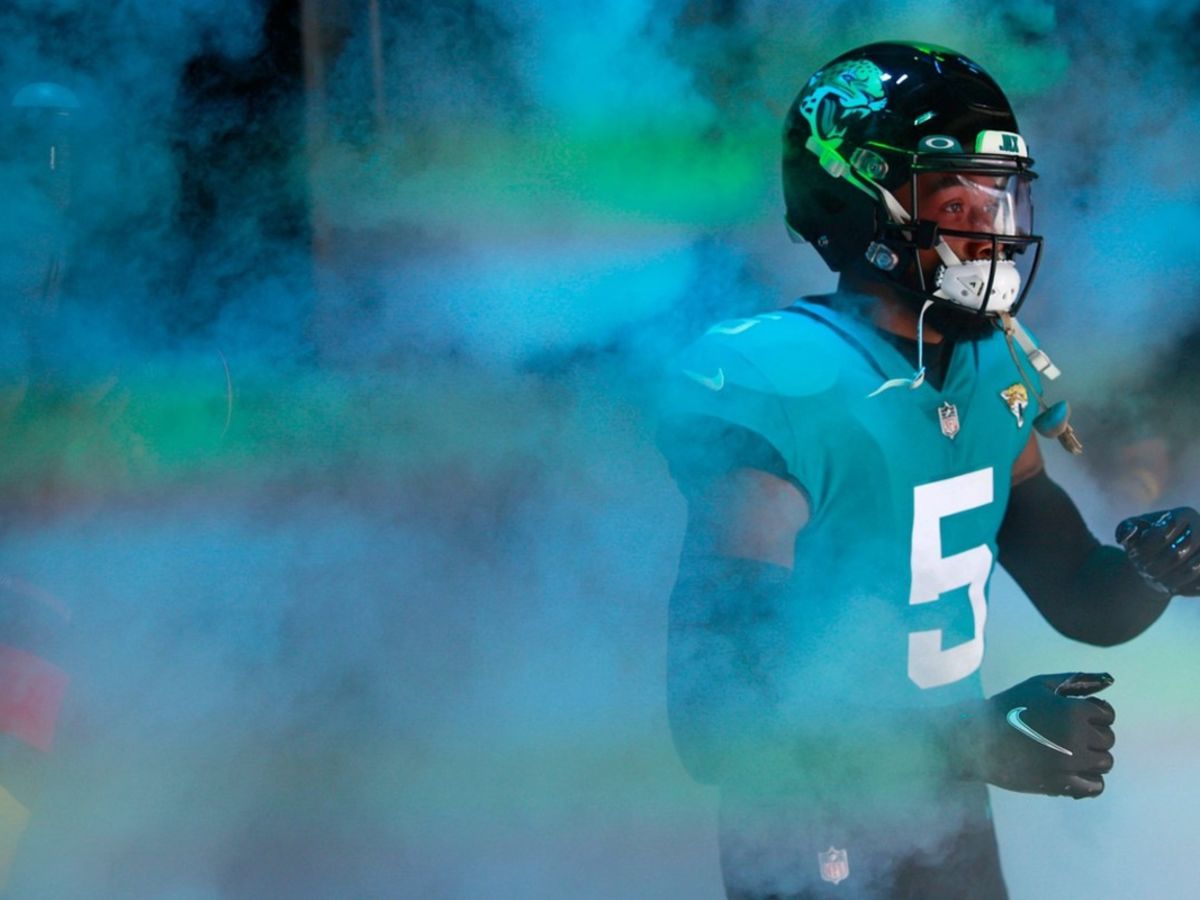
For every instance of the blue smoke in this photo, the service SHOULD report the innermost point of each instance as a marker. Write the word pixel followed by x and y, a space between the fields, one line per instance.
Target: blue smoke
pixel 384 614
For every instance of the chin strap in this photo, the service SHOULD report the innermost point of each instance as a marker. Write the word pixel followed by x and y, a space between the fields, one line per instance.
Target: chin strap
pixel 1037 357
pixel 918 377
pixel 899 213
pixel 948 257
pixel 1053 421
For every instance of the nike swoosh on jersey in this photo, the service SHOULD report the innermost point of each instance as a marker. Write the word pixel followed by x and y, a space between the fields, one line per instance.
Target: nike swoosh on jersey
pixel 712 382
pixel 1014 719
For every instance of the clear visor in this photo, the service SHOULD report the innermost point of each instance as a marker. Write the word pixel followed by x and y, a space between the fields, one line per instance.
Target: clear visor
pixel 975 203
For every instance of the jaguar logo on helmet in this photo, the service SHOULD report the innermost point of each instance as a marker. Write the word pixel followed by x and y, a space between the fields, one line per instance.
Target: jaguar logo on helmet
pixel 846 90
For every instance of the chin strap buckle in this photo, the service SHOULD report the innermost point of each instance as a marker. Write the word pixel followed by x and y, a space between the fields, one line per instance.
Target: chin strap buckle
pixel 926 236
pixel 1037 356
pixel 882 256
pixel 1042 362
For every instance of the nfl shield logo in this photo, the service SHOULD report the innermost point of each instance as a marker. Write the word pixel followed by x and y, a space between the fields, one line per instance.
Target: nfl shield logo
pixel 948 417
pixel 835 865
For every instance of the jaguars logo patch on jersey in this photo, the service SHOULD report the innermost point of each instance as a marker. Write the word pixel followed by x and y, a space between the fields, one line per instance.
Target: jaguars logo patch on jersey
pixel 1017 399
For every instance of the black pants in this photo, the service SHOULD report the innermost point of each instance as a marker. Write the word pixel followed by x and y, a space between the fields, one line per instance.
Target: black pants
pixel 923 846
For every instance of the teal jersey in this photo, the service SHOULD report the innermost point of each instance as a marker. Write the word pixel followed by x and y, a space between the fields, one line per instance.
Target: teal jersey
pixel 907 489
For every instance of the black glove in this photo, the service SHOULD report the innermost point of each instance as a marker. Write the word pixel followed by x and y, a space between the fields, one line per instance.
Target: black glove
pixel 1163 546
pixel 1044 736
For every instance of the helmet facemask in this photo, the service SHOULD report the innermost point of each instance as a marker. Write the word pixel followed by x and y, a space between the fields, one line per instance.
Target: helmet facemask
pixel 959 235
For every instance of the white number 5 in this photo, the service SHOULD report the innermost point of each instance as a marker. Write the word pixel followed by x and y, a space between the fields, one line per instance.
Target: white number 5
pixel 929 663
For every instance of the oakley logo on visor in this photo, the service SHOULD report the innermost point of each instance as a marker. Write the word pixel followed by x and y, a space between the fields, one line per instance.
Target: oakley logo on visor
pixel 939 143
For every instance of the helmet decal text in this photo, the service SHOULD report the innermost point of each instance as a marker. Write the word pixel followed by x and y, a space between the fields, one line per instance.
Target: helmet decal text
pixel 1006 142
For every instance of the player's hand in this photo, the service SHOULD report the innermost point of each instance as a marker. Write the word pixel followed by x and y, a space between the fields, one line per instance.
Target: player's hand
pixel 1165 548
pixel 1046 735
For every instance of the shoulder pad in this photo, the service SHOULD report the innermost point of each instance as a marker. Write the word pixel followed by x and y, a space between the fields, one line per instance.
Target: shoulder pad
pixel 778 352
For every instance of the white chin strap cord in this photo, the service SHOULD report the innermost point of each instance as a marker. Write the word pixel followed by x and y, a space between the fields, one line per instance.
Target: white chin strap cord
pixel 948 257
pixel 918 377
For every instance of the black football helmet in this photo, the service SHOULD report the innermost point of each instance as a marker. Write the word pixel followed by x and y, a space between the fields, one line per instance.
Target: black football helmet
pixel 863 129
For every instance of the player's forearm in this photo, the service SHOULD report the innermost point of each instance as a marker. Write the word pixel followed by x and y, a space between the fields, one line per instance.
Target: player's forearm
pixel 719 690
pixel 1108 602
pixel 1087 591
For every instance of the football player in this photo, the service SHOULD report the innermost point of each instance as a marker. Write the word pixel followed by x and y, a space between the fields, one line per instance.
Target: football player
pixel 854 465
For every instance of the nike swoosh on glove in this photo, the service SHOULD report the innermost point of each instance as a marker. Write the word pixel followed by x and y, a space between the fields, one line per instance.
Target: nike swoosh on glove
pixel 1164 547
pixel 1046 735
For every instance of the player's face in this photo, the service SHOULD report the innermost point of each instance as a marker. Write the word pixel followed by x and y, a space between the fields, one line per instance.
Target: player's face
pixel 967 202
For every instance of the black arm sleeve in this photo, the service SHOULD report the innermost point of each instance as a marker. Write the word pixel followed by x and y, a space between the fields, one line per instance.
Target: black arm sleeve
pixel 1087 591
pixel 719 699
